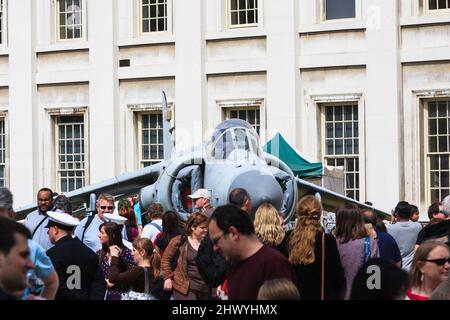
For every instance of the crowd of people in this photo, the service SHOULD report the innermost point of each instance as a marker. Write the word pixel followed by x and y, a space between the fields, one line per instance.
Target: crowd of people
pixel 235 251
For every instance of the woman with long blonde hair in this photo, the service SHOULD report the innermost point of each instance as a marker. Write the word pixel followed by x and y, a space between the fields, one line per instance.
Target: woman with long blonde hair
pixel 314 254
pixel 269 225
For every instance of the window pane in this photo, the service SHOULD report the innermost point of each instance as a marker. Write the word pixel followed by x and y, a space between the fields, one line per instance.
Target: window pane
pixel 348 129
pixel 339 9
pixel 234 4
pixel 443 144
pixel 434 162
pixel 348 113
pixel 339 146
pixel 432 4
pixel 432 126
pixel 145 12
pixel 442 109
pixel 444 179
pixel 338 130
pixel 432 147
pixel 338 113
pixel 329 130
pixel 153 25
pixel 444 162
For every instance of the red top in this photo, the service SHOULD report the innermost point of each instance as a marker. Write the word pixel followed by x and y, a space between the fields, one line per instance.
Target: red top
pixel 413 296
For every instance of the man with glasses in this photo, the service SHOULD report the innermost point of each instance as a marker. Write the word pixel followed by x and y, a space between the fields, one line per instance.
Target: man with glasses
pixel 252 263
pixel 36 220
pixel 87 231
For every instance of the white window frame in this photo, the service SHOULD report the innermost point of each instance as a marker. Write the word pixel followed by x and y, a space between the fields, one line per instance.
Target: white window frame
pixel 4 23
pixel 417 128
pixel 249 25
pixel 140 18
pixel 4 118
pixel 428 11
pixel 138 110
pixel 83 22
pixel 426 153
pixel 322 100
pixel 323 13
pixel 54 113
pixel 226 106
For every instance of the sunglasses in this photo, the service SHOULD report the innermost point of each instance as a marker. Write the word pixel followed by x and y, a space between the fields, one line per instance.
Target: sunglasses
pixel 439 262
pixel 106 207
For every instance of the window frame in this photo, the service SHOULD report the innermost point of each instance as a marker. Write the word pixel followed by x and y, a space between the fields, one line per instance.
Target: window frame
pixel 326 157
pixel 54 113
pixel 427 11
pixel 323 13
pixel 141 160
pixel 4 118
pixel 83 22
pixel 137 110
pixel 357 98
pixel 4 24
pixel 258 16
pixel 426 153
pixel 139 19
pixel 226 106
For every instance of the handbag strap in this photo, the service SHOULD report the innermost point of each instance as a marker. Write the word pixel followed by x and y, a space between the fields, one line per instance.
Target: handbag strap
pixel 366 251
pixel 146 285
pixel 322 286
pixel 39 224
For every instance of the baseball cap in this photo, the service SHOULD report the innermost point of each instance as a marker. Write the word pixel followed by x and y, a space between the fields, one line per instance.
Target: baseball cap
pixel 201 193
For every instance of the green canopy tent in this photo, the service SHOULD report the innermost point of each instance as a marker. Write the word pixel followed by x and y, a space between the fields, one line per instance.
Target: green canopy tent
pixel 279 147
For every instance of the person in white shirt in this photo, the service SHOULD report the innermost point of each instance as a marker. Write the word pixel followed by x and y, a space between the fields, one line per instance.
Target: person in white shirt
pixel 405 232
pixel 36 221
pixel 152 229
pixel 88 229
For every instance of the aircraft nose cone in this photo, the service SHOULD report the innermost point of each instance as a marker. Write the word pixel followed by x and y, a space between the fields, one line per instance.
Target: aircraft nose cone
pixel 261 186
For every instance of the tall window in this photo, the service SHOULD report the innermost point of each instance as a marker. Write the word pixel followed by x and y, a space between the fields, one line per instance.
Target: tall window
pixel 438 4
pixel 70 143
pixel 2 153
pixel 151 138
pixel 341 144
pixel 339 9
pixel 438 120
pixel 70 19
pixel 249 114
pixel 243 13
pixel 2 21
pixel 153 15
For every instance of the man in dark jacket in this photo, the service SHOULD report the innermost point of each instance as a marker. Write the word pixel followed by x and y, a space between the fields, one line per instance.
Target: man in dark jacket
pixel 78 269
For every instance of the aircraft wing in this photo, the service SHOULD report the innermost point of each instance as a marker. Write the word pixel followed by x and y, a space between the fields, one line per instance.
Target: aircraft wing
pixel 119 187
pixel 332 200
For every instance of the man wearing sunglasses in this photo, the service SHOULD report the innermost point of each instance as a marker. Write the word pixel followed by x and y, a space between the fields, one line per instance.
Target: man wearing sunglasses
pixel 87 230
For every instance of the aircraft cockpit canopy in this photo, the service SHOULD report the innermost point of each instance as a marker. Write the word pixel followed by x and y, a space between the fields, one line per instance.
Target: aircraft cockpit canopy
pixel 234 139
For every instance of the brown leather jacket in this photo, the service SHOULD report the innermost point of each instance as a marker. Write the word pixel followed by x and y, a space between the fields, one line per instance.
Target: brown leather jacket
pixel 180 280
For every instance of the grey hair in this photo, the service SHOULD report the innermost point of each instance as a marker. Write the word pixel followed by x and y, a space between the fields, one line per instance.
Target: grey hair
pixel 6 198
pixel 446 205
